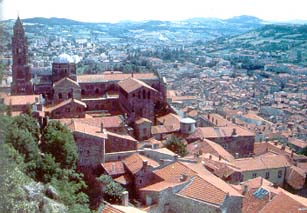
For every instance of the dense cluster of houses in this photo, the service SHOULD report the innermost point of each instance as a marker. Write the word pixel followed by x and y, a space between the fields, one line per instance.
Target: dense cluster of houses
pixel 120 123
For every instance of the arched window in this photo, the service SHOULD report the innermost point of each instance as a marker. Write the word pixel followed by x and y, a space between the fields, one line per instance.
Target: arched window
pixel 97 91
pixel 82 92
pixel 139 94
pixel 69 95
pixel 144 94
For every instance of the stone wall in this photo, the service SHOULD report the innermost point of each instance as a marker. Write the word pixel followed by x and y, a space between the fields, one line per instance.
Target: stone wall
pixel 91 149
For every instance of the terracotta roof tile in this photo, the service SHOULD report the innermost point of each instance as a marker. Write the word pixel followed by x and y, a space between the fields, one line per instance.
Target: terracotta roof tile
pixel 261 163
pixel 207 146
pixel 108 121
pixel 63 103
pixel 282 203
pixel 20 99
pixel 76 126
pixel 202 190
pixel 114 77
pixel 295 177
pixel 174 171
pixel 108 208
pixel 66 79
pixel 218 132
pixel 132 84
pixel 134 162
pixel 114 167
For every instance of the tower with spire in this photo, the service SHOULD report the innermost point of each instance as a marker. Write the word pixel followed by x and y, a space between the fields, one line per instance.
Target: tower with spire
pixel 22 76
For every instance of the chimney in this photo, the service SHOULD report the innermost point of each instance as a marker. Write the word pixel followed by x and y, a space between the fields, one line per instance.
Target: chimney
pixel 267 139
pixel 210 157
pixel 145 164
pixel 132 75
pixel 176 157
pixel 283 147
pixel 101 127
pixel 220 157
pixel 261 181
pixel 125 198
pixel 245 189
pixel 183 177
pixel 275 143
pixel 292 153
pixel 234 131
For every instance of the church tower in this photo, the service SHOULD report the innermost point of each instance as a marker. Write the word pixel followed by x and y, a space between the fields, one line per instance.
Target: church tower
pixel 22 84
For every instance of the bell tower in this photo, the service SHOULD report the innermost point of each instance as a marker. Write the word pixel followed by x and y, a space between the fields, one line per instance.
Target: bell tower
pixel 22 84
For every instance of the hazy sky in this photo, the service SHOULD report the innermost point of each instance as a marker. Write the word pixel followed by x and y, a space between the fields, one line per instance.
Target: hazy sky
pixel 116 10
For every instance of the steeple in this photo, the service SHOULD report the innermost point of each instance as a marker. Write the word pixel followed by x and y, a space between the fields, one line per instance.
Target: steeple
pixel 22 75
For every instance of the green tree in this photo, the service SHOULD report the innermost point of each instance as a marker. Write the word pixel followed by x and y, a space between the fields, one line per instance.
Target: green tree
pixel 112 191
pixel 69 186
pixel 12 196
pixel 176 145
pixel 58 141
pixel 24 143
pixel 47 169
pixel 26 122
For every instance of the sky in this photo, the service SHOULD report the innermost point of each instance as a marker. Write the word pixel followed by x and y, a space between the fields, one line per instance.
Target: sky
pixel 137 10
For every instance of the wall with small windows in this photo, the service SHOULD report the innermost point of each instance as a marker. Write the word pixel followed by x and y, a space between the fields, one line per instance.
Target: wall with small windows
pixel 274 175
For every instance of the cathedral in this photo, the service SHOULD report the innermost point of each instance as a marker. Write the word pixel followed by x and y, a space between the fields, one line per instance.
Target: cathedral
pixel 68 95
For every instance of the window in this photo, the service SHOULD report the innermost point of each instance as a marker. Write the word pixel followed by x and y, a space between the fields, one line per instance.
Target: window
pixel 67 109
pixel 267 175
pixel 60 96
pixel 97 91
pixel 279 173
pixel 144 94
pixel 254 175
pixel 69 95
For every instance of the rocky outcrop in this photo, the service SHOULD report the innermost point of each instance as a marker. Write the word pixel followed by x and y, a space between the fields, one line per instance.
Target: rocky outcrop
pixel 43 198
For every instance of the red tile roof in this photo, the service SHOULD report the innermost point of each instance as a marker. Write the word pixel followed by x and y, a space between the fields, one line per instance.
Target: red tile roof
pixel 207 146
pixel 114 77
pixel 218 132
pixel 108 208
pixel 108 121
pixel 114 167
pixel 20 99
pixel 296 142
pixel 76 126
pixel 66 79
pixel 261 163
pixel 63 103
pixel 132 84
pixel 295 177
pixel 134 162
pixel 173 172
pixel 202 190
pixel 282 203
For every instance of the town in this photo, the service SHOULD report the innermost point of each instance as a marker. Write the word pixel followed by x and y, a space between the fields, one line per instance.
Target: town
pixel 155 126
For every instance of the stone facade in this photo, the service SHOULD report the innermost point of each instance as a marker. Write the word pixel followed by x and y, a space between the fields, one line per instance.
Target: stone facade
pixel 65 89
pixel 142 129
pixel 21 70
pixel 62 70
pixel 71 108
pixel 120 143
pixel 91 149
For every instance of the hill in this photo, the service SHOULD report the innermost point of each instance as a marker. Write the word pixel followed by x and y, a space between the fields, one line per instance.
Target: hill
pixel 286 43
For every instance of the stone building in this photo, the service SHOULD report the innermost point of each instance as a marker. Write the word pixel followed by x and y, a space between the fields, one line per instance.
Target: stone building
pixel 237 141
pixel 22 75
